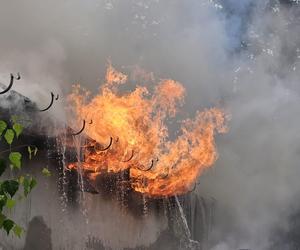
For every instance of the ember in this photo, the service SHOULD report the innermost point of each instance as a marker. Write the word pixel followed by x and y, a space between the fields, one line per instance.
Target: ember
pixel 129 132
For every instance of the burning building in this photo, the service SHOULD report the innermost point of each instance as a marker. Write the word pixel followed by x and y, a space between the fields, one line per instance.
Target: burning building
pixel 120 181
pixel 128 150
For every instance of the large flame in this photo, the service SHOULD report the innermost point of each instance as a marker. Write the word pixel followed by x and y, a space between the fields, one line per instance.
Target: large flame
pixel 128 132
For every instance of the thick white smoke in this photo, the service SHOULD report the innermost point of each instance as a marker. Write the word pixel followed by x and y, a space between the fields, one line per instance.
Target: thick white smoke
pixel 241 54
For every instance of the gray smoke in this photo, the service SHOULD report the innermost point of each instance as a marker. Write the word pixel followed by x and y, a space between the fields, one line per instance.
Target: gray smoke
pixel 242 54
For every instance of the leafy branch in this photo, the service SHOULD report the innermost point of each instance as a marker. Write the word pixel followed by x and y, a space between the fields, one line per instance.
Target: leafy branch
pixel 10 187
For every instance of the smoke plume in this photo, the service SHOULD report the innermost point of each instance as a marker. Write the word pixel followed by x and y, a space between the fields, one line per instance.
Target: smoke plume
pixel 242 55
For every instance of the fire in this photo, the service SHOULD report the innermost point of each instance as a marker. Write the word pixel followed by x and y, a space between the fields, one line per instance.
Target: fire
pixel 128 131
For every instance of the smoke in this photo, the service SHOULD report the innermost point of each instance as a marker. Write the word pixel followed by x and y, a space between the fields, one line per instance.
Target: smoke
pixel 255 179
pixel 240 54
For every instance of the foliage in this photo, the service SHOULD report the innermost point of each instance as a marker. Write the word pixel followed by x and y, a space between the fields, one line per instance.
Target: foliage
pixel 22 184
pixel 46 172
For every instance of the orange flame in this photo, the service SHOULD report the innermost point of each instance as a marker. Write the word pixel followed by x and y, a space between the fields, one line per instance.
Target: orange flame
pixel 129 132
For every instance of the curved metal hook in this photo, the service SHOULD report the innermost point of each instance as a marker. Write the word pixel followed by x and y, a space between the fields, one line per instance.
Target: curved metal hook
pixel 109 145
pixel 50 105
pixel 194 188
pixel 11 83
pixel 81 130
pixel 149 168
pixel 130 158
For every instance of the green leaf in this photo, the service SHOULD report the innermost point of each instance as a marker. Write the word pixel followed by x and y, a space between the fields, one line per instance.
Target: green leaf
pixel 14 118
pixel 8 225
pixel 18 231
pixel 9 136
pixel 28 185
pixel 18 128
pixel 3 126
pixel 46 172
pixel 33 183
pixel 2 166
pixel 29 152
pixel 3 200
pixel 15 159
pixel 10 187
pixel 32 150
pixel 10 203
pixel 35 151
pixel 21 179
pixel 2 219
